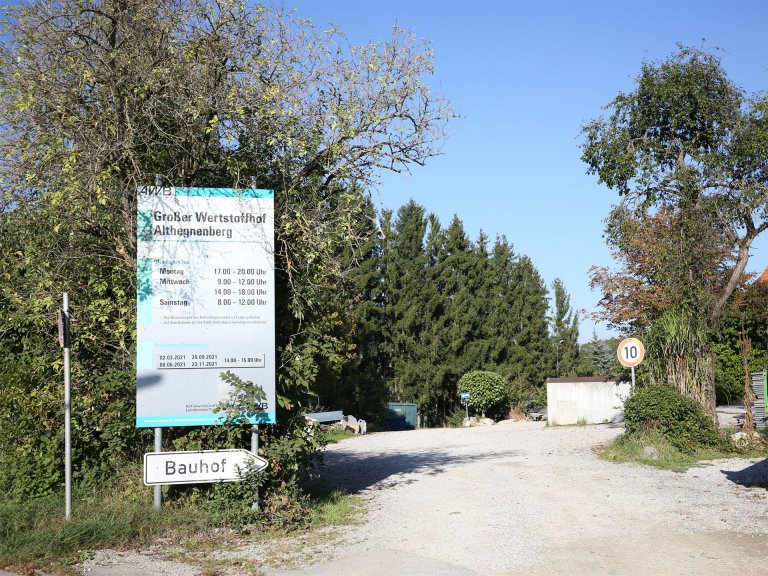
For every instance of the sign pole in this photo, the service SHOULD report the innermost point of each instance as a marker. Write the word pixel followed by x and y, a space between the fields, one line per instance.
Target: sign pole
pixel 633 378
pixel 67 410
pixel 158 488
pixel 255 450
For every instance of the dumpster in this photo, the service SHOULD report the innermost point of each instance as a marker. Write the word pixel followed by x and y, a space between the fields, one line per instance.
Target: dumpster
pixel 401 416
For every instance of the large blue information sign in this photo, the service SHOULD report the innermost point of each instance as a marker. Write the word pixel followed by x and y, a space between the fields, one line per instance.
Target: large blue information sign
pixel 205 302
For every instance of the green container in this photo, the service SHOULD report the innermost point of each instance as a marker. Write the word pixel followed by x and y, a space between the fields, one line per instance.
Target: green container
pixel 400 409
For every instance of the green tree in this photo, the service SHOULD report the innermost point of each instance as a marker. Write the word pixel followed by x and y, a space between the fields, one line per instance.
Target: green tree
pixel 360 389
pixel 686 151
pixel 688 140
pixel 598 358
pixel 486 389
pixel 565 332
pixel 438 366
pixel 99 97
pixel 746 316
pixel 501 286
pixel 532 353
pixel 406 267
pixel 479 282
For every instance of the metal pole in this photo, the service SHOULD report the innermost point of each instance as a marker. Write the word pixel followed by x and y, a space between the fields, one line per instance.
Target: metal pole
pixel 633 378
pixel 67 413
pixel 158 488
pixel 255 450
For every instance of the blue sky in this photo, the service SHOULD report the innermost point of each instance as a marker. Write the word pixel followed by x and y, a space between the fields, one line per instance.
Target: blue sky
pixel 525 76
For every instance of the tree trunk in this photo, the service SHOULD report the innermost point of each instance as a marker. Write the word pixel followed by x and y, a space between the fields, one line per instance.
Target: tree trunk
pixel 746 351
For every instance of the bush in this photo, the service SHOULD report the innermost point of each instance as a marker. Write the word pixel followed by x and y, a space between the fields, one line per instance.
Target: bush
pixel 679 419
pixel 486 389
pixel 456 419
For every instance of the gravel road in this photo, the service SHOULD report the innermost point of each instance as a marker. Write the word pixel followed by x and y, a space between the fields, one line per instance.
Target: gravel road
pixel 519 498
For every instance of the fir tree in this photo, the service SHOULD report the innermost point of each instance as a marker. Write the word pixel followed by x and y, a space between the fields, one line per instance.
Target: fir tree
pixel 565 332
pixel 532 351
pixel 406 265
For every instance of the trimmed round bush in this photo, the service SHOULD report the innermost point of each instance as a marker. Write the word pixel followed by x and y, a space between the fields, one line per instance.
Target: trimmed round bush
pixel 679 419
pixel 486 389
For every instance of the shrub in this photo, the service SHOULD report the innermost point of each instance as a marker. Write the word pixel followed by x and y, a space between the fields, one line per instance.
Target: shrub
pixel 486 389
pixel 679 419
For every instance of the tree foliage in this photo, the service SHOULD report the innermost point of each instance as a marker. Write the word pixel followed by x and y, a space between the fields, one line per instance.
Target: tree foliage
pixel 663 262
pixel 486 389
pixel 98 97
pixel 565 332
pixel 688 152
pixel 679 355
pixel 447 306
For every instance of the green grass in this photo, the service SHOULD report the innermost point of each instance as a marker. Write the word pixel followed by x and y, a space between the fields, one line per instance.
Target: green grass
pixel 35 535
pixel 333 435
pixel 330 507
pixel 629 448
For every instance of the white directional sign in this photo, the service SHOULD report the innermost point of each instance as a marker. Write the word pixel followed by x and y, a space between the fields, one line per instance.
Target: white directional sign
pixel 630 352
pixel 202 466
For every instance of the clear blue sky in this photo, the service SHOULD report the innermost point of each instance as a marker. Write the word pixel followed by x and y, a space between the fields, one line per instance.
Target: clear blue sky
pixel 526 75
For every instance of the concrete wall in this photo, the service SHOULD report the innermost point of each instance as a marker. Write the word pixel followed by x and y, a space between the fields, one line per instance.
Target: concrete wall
pixel 585 400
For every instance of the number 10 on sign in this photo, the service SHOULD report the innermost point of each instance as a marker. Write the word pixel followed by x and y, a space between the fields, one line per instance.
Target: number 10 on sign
pixel 631 352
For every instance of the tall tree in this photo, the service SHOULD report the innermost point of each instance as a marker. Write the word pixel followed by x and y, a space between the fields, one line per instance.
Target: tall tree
pixel 687 150
pixel 438 372
pixel 406 267
pixel 457 272
pixel 361 388
pixel 532 353
pixel 598 358
pixel 565 332
pixel 98 97
pixel 689 144
pixel 501 284
pixel 663 262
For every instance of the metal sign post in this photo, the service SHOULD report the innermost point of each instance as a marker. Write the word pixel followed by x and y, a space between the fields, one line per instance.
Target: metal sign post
pixel 255 450
pixel 64 341
pixel 465 400
pixel 158 489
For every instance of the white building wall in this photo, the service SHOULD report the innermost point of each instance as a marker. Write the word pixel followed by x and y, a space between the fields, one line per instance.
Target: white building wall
pixel 586 402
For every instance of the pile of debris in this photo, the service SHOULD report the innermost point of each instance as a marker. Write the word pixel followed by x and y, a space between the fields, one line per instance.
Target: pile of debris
pixel 337 420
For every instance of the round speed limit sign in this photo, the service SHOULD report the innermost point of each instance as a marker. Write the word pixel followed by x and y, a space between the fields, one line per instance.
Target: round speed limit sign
pixel 630 352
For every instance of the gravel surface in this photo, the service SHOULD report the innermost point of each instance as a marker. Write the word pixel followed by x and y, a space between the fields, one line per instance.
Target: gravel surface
pixel 517 498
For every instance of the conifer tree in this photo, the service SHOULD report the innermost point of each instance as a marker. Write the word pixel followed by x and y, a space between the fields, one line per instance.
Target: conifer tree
pixel 438 374
pixel 532 351
pixel 565 332
pixel 501 294
pixel 454 279
pixel 478 353
pixel 361 389
pixel 406 265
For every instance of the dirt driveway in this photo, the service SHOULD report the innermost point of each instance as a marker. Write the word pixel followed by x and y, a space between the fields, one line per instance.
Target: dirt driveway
pixel 519 498
pixel 511 499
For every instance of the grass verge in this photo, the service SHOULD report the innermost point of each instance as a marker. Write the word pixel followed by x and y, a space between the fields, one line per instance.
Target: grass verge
pixel 653 449
pixel 333 435
pixel 34 535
